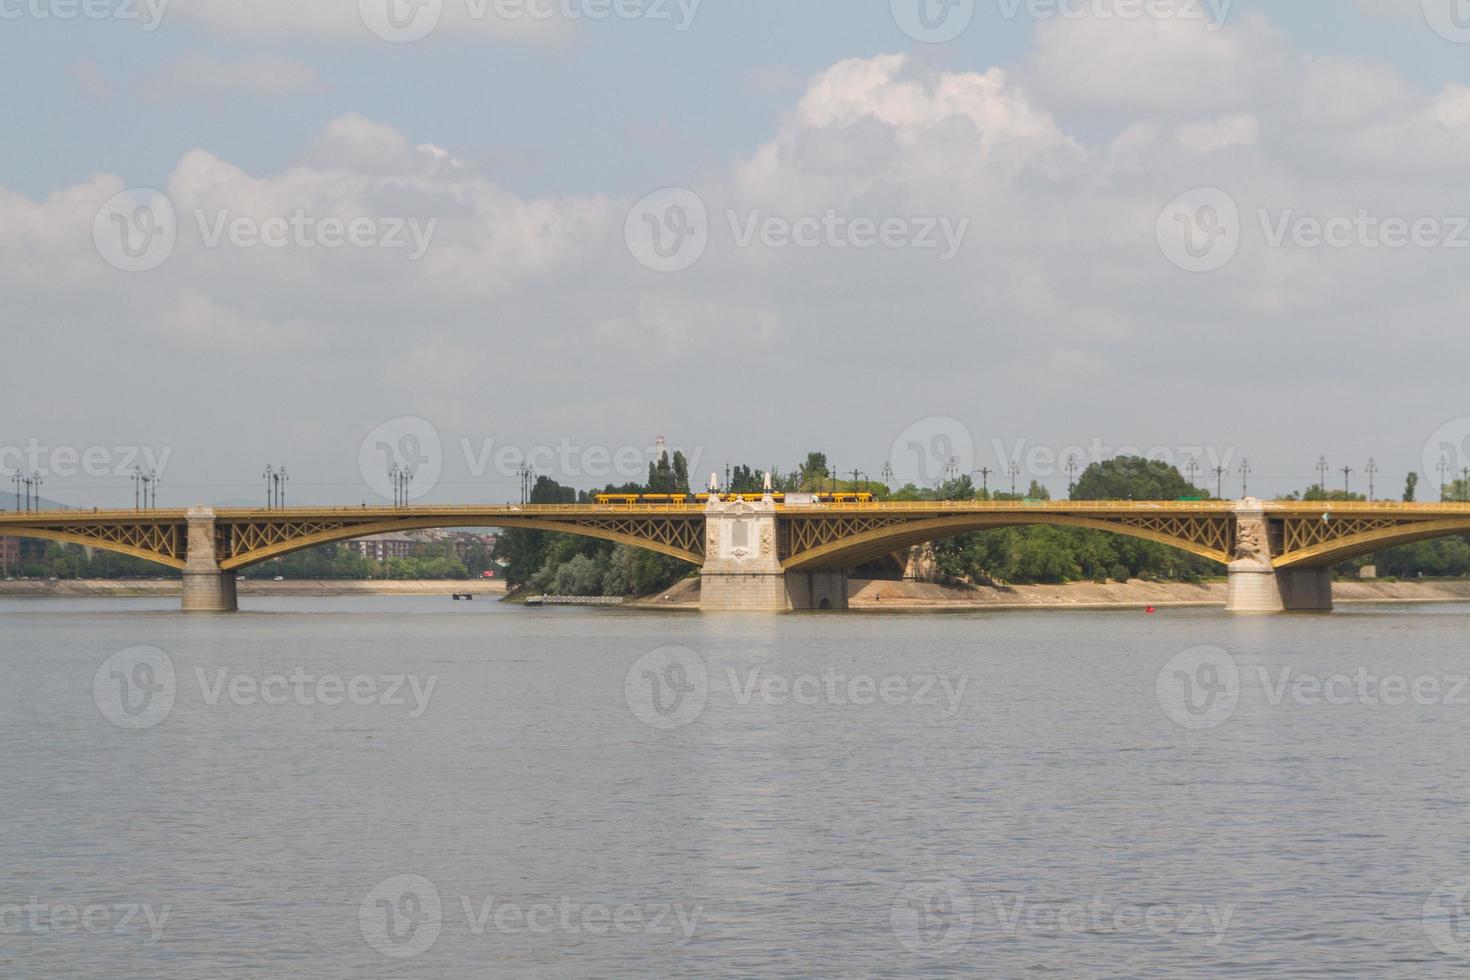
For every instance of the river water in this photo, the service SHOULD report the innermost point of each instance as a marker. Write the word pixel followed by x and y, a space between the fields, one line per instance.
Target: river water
pixel 414 787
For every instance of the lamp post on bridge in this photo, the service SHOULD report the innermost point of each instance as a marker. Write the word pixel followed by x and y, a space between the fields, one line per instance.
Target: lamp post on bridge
pixel 17 479
pixel 886 475
pixel 527 476
pixel 984 472
pixel 1071 475
pixel 1347 476
pixel 1220 472
pixel 1444 468
pixel 1322 468
pixel 1191 467
pixel 270 485
pixel 1015 472
pixel 1372 470
pixel 1245 475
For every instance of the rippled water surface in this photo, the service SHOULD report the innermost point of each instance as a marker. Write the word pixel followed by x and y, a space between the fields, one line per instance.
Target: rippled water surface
pixel 603 793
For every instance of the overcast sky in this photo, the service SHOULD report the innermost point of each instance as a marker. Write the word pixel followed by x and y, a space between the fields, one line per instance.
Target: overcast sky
pixel 331 234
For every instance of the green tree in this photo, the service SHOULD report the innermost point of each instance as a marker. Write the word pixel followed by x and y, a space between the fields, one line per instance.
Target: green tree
pixel 1133 478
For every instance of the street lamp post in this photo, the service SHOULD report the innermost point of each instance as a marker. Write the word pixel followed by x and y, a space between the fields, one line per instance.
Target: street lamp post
pixel 1071 474
pixel 1322 469
pixel 1220 472
pixel 1444 469
pixel 1015 472
pixel 1245 475
pixel 270 485
pixel 1347 476
pixel 1372 470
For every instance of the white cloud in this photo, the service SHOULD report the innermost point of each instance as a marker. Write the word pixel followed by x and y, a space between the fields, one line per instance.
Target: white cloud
pixel 1156 65
pixel 1059 298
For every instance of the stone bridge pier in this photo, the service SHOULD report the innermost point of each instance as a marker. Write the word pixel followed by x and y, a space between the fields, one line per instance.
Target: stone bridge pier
pixel 207 588
pixel 1257 586
pixel 742 565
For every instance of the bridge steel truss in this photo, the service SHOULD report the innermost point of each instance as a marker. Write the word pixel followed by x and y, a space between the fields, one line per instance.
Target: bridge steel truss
pixel 844 536
pixel 156 535
pixel 244 538
pixel 1302 535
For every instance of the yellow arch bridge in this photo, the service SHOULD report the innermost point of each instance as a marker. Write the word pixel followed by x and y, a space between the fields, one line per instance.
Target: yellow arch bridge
pixel 761 555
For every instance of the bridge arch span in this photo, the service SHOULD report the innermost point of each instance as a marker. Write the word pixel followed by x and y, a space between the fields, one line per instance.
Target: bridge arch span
pixel 853 550
pixel 159 540
pixel 263 543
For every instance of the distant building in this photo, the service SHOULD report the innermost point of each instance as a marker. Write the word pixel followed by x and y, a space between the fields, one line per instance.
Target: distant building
pixel 381 547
